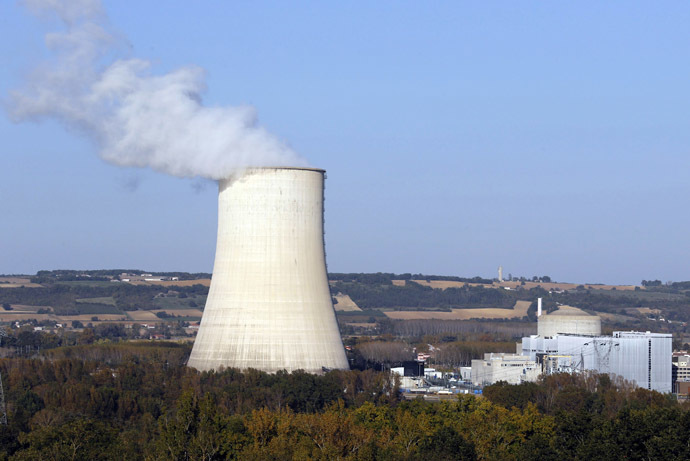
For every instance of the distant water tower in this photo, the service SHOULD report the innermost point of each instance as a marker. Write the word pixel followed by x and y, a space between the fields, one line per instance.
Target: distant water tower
pixel 500 273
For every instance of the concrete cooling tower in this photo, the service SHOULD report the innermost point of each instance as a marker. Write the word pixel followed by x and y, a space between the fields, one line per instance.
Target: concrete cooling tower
pixel 269 306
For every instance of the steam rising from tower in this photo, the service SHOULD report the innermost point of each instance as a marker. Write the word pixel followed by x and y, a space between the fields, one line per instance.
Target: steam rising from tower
pixel 269 306
pixel 136 117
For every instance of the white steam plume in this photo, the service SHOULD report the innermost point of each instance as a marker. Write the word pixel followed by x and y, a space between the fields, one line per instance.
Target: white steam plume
pixel 138 118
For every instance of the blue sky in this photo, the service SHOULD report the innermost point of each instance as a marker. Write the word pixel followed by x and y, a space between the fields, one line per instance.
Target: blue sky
pixel 549 138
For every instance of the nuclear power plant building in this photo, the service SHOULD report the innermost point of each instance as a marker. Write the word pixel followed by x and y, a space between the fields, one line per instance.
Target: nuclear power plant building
pixel 269 305
pixel 643 358
pixel 570 340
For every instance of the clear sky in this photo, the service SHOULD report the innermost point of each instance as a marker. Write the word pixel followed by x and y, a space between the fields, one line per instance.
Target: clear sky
pixel 551 138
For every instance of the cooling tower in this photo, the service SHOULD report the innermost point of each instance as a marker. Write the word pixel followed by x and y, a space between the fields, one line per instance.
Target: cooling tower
pixel 269 306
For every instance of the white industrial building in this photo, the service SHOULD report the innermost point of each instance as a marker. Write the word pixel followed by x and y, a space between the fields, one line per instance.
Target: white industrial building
pixel 511 368
pixel 642 358
pixel 681 367
pixel 569 340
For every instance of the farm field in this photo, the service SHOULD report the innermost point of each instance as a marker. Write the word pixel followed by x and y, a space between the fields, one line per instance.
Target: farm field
pixel 180 312
pixel 616 317
pixel 646 310
pixel 518 311
pixel 174 302
pixel 87 318
pixel 16 282
pixel 15 316
pixel 22 312
pixel 143 316
pixel 345 303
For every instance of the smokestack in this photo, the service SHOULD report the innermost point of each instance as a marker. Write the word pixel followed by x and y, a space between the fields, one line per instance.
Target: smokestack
pixel 538 307
pixel 269 306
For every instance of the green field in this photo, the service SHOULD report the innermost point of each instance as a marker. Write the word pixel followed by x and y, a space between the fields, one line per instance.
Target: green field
pixel 180 303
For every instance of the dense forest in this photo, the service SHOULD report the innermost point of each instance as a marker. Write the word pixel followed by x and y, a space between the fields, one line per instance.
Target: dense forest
pixel 137 400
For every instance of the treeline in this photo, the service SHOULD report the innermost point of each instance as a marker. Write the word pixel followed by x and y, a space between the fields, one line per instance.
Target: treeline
pixel 63 297
pixel 131 394
pixel 386 278
pixel 137 401
pixel 414 295
pixel 507 329
pixel 26 341
pixel 64 275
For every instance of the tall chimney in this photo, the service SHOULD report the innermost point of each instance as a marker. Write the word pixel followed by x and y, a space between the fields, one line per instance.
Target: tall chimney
pixel 538 307
pixel 269 306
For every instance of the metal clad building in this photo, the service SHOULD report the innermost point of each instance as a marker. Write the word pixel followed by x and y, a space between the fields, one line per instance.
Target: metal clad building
pixel 643 358
pixel 269 305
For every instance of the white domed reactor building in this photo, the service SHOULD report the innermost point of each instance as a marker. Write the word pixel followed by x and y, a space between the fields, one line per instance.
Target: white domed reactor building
pixel 568 320
pixel 269 306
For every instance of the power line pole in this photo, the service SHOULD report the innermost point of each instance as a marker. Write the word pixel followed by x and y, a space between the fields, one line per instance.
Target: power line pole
pixel 3 409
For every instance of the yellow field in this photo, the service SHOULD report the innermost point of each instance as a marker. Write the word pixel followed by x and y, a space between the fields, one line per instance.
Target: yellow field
pixel 23 308
pixel 518 311
pixel 16 282
pixel 345 303
pixel 143 316
pixel 647 310
pixel 14 316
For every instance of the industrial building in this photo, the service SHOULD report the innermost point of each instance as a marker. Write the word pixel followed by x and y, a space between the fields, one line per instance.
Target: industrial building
pixel 269 306
pixel 569 340
pixel 511 368
pixel 642 358
pixel 680 371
